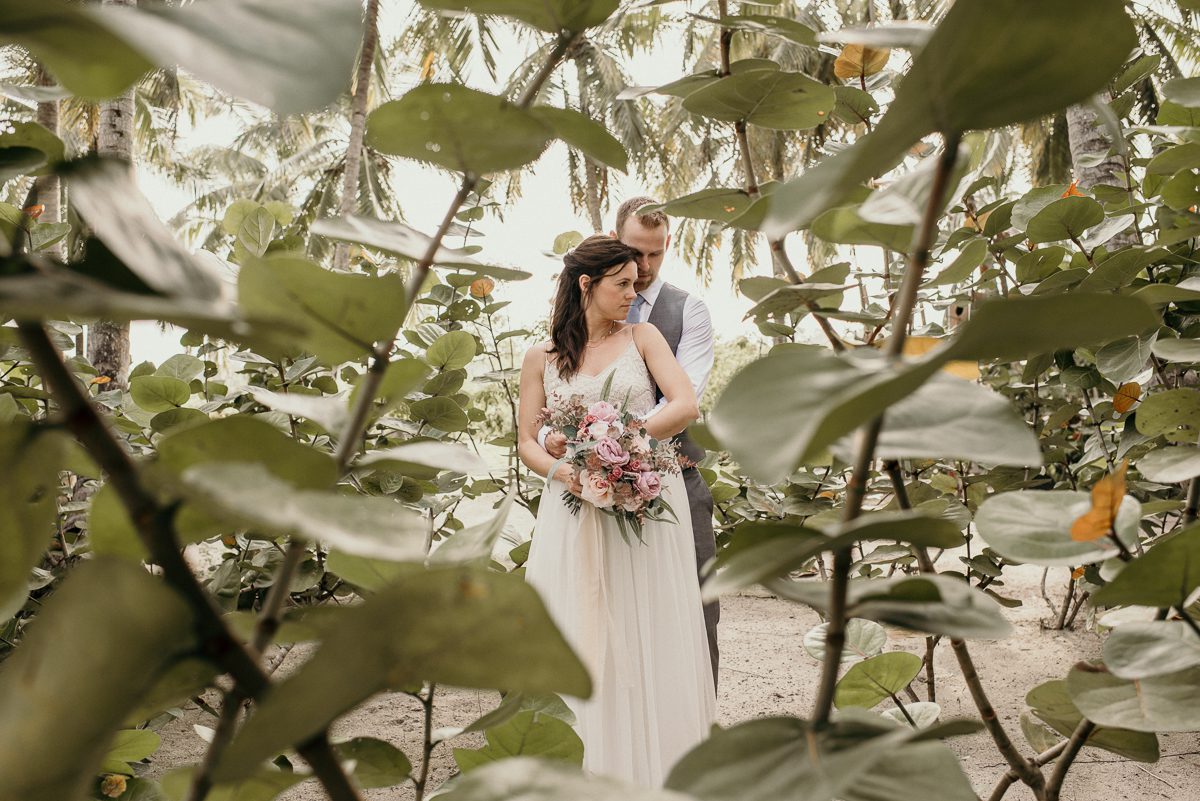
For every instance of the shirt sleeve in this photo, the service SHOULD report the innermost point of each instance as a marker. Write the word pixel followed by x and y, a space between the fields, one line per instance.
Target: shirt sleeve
pixel 696 348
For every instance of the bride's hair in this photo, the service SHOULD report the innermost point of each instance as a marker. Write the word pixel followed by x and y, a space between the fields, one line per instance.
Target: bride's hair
pixel 594 257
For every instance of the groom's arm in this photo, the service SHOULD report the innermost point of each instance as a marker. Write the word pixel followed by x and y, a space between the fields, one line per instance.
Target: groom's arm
pixel 696 347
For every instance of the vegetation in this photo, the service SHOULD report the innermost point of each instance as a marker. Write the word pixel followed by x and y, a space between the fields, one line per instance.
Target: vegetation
pixel 1053 420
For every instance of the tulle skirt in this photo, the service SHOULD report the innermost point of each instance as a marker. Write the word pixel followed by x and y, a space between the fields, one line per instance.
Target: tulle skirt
pixel 632 612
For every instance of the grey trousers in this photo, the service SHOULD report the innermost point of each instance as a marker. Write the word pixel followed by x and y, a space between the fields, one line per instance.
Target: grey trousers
pixel 700 502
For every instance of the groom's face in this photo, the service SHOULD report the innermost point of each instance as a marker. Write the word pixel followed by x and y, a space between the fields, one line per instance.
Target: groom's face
pixel 651 245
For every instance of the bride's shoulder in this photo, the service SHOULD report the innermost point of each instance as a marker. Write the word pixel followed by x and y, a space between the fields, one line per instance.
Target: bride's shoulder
pixel 538 355
pixel 646 334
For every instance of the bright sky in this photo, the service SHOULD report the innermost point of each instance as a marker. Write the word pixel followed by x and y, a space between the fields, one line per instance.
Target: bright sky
pixel 529 226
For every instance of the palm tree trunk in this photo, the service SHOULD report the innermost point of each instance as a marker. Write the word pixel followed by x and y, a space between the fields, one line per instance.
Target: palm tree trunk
pixel 1092 162
pixel 358 125
pixel 108 342
pixel 591 171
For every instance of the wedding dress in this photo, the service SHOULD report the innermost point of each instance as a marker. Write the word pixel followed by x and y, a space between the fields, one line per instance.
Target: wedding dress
pixel 631 611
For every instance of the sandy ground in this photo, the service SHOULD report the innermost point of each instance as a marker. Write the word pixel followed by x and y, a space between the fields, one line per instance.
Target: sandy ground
pixel 765 671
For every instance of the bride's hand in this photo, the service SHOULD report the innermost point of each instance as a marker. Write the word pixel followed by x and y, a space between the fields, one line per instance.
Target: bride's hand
pixel 568 475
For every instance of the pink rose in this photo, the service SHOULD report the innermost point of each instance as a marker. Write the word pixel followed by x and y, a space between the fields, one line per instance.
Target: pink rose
pixel 649 485
pixel 597 489
pixel 603 410
pixel 611 452
pixel 615 474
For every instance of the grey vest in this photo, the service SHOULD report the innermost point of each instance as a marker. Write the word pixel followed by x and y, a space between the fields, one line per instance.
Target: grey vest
pixel 667 316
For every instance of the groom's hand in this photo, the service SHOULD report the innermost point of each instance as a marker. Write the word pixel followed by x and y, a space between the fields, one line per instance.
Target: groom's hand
pixel 556 444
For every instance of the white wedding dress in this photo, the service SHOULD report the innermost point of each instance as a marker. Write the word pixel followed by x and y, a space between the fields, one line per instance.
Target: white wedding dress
pixel 631 611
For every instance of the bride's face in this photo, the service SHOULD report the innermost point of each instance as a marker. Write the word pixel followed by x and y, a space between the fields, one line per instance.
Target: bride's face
pixel 613 293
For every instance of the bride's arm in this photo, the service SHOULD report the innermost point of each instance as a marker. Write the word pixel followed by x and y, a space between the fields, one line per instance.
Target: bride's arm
pixel 681 408
pixel 532 399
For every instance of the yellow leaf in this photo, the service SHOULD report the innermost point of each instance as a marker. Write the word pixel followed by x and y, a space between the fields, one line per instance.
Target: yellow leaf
pixel 1107 495
pixel 1078 572
pixel 101 379
pixel 1127 395
pixel 427 66
pixel 860 61
pixel 482 287
pixel 919 346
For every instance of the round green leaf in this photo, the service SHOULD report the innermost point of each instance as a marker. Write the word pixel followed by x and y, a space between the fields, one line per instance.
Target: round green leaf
pixel 1065 218
pixel 31 457
pixel 458 128
pixel 1052 704
pixel 181 366
pixel 1177 350
pixel 708 204
pixel 451 351
pixel 441 413
pixel 1174 414
pixel 1136 650
pixel 16 161
pixel 864 639
pixel 845 226
pixel 872 680
pixel 1171 465
pixel 585 135
pixel 377 763
pixel 1035 527
pixel 1156 704
pixel 969 257
pixel 243 438
pixel 528 733
pixel 158 393
pixel 768 98
pixel 782 27
pixel 1165 575
pixel 1184 91
pixel 529 778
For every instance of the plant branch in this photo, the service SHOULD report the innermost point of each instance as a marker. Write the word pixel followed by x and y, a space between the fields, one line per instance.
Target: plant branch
pixel 1074 745
pixel 154 523
pixel 1011 777
pixel 868 436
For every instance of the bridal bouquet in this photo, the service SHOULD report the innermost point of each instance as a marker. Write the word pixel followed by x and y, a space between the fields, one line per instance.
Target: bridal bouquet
pixel 620 467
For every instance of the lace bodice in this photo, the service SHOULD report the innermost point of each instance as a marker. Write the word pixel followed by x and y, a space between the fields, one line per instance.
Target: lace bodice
pixel 631 376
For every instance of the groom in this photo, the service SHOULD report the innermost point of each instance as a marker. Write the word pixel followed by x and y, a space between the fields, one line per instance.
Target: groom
pixel 684 321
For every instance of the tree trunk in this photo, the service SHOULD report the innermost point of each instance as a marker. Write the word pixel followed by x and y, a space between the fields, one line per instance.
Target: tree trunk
pixel 358 124
pixel 1090 140
pixel 591 172
pixel 108 342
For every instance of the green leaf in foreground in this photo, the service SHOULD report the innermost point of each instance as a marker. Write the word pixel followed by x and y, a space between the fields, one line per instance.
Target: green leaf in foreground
pixel 1139 649
pixel 1158 703
pixel 551 16
pixel 1165 575
pixel 534 779
pixel 88 663
pixel 461 626
pixel 1051 703
pixel 32 458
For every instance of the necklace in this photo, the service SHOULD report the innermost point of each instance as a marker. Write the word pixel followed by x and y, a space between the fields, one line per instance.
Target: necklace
pixel 596 342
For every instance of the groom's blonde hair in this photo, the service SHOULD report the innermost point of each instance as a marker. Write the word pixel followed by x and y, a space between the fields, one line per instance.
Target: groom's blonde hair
pixel 652 219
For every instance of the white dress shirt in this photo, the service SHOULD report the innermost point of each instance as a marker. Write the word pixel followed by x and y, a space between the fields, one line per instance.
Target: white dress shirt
pixel 696 348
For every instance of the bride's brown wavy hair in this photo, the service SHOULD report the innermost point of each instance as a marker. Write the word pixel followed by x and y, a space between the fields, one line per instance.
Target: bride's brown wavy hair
pixel 595 257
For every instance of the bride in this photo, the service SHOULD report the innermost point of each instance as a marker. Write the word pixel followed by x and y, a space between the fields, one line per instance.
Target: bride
pixel 631 610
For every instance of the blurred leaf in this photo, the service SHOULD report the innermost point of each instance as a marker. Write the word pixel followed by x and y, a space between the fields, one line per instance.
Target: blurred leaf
pixel 251 496
pixel 343 314
pixel 460 626
pixel 1052 705
pixel 1138 649
pixel 540 780
pixel 1108 495
pixel 1170 465
pixel 86 662
pixel 1157 704
pixel 243 438
pixel 32 457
